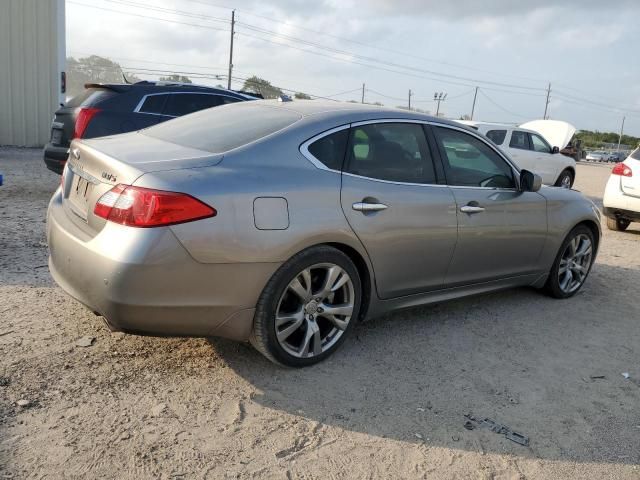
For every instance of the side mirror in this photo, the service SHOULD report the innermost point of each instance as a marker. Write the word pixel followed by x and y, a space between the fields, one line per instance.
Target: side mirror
pixel 529 181
pixel 555 150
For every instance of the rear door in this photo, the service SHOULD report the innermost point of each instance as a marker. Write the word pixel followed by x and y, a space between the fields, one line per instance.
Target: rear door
pixel 391 198
pixel 501 230
pixel 520 152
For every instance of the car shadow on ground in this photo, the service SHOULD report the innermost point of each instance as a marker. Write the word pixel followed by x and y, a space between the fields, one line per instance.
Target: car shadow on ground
pixel 518 357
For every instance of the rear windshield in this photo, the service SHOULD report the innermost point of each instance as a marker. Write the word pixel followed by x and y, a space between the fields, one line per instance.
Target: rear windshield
pixel 89 97
pixel 224 128
pixel 635 154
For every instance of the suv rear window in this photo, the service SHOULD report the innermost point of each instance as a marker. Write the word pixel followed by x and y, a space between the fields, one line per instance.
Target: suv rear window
pixel 89 97
pixel 224 128
pixel 179 104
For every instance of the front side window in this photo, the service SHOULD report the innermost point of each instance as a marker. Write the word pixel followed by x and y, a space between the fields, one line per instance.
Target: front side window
pixel 395 152
pixel 519 140
pixel 540 144
pixel 470 162
pixel 330 149
pixel 497 136
pixel 179 104
pixel 153 104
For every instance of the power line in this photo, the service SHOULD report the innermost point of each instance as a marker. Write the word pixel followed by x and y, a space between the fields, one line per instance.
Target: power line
pixel 363 44
pixel 169 10
pixel 146 16
pixel 500 106
pixel 371 59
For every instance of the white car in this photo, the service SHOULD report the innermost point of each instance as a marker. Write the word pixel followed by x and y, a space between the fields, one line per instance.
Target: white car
pixel 597 156
pixel 622 194
pixel 530 146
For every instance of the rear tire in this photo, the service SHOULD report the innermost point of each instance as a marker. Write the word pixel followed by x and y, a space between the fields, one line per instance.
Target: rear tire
pixel 308 307
pixel 617 224
pixel 565 179
pixel 573 263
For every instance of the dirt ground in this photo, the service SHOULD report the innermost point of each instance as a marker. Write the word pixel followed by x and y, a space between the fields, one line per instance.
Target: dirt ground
pixel 389 404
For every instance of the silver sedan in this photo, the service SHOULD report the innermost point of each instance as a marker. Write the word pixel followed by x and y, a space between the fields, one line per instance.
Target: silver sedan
pixel 286 223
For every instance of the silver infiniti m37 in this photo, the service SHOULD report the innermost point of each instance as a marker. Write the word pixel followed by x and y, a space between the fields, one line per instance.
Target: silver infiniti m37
pixel 286 223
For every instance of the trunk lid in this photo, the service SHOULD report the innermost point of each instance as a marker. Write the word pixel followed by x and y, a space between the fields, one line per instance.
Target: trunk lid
pixel 96 166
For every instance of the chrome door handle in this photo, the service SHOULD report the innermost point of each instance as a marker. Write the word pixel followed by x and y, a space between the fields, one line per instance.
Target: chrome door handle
pixel 471 209
pixel 369 207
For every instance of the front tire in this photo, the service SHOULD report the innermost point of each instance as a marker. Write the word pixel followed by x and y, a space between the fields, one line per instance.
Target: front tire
pixel 617 224
pixel 308 308
pixel 565 180
pixel 573 263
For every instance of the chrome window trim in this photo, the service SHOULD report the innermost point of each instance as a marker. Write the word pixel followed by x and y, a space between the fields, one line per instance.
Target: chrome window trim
pixel 142 100
pixel 304 150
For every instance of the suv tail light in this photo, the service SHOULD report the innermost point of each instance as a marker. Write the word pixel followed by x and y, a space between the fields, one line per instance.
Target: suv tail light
pixel 622 169
pixel 144 207
pixel 85 115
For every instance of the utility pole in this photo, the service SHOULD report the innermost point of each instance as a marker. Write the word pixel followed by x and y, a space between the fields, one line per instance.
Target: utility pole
pixel 362 93
pixel 473 107
pixel 546 105
pixel 410 99
pixel 233 28
pixel 621 132
pixel 439 97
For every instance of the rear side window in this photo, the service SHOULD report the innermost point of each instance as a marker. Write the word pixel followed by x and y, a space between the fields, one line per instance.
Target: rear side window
pixel 179 104
pixel 153 104
pixel 395 152
pixel 219 130
pixel 330 149
pixel 497 136
pixel 519 140
pixel 470 162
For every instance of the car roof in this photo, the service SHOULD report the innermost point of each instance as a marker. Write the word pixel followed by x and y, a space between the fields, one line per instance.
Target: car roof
pixel 150 87
pixel 353 112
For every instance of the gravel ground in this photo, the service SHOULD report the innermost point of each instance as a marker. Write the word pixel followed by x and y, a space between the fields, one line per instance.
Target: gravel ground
pixel 390 404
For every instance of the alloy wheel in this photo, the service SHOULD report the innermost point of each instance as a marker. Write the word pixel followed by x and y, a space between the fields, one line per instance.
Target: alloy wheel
pixel 575 263
pixel 566 181
pixel 314 310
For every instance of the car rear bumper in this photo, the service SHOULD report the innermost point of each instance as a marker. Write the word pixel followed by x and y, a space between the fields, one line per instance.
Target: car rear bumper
pixel 55 157
pixel 143 281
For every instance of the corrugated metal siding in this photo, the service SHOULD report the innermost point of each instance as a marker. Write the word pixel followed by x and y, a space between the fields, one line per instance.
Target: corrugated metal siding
pixel 31 59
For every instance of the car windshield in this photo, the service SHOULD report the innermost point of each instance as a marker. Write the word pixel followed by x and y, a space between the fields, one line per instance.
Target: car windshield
pixel 221 129
pixel 635 154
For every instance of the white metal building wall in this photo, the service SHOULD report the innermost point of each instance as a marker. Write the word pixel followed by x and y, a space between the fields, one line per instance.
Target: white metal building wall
pixel 32 57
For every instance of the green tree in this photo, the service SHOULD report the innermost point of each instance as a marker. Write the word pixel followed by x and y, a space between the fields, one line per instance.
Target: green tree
pixel 263 87
pixel 93 69
pixel 302 96
pixel 176 78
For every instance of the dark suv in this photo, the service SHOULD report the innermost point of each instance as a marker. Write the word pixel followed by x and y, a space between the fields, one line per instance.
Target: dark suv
pixel 108 109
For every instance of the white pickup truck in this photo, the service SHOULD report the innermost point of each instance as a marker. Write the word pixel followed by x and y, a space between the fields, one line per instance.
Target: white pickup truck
pixel 535 146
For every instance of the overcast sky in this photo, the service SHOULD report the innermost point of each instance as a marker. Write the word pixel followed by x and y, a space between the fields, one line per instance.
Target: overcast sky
pixel 587 49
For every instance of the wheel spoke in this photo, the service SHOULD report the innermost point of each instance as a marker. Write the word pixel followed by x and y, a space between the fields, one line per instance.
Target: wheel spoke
pixel 345 309
pixel 312 333
pixel 294 319
pixel 564 265
pixel 584 250
pixel 302 291
pixel 336 278
pixel 339 324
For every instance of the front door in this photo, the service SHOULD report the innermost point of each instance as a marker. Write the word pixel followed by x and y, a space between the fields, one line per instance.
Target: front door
pixel 501 230
pixel 391 199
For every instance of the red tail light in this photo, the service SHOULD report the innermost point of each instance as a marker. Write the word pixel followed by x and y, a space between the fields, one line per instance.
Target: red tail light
pixel 85 115
pixel 143 207
pixel 622 169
